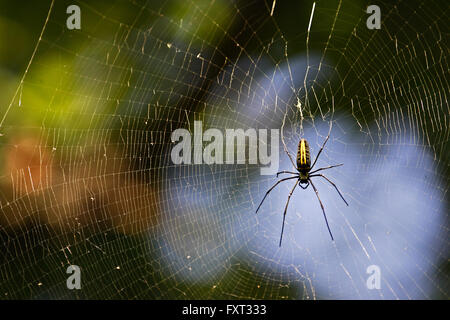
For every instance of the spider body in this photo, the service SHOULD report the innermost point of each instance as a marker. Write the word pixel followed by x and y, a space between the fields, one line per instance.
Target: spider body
pixel 303 160
pixel 304 173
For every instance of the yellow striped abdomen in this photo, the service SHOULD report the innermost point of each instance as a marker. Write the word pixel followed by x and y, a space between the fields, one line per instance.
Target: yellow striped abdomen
pixel 303 157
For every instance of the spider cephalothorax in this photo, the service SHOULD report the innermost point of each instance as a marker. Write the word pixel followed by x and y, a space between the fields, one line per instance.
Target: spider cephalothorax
pixel 304 175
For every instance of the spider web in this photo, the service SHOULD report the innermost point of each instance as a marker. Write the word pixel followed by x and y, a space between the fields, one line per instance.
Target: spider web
pixel 87 177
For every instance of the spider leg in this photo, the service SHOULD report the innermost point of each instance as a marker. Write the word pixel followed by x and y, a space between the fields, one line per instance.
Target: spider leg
pixel 318 154
pixel 285 210
pixel 321 175
pixel 323 209
pixel 281 172
pixel 272 189
pixel 325 168
pixel 284 144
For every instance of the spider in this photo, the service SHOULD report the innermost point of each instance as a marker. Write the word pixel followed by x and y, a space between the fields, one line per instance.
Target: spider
pixel 303 175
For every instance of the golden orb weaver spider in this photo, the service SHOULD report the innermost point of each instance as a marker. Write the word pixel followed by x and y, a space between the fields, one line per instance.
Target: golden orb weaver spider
pixel 303 175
